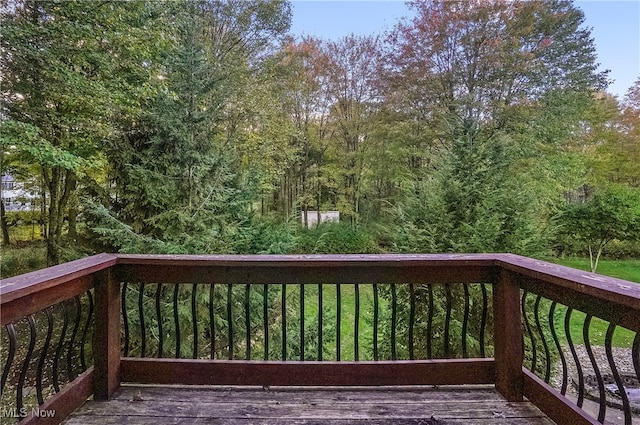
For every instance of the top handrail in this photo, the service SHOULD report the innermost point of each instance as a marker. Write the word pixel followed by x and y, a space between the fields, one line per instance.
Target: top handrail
pixel 29 283
pixel 612 289
pixel 32 292
pixel 614 300
pixel 606 288
pixel 435 268
pixel 311 259
pixel 350 268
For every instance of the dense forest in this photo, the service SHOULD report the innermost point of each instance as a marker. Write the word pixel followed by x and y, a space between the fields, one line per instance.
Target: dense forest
pixel 203 126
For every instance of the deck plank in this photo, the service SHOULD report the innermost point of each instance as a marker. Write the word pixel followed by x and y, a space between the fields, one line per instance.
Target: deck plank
pixel 160 405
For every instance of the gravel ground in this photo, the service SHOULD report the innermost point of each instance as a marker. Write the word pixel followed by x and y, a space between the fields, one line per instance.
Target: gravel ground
pixel 624 365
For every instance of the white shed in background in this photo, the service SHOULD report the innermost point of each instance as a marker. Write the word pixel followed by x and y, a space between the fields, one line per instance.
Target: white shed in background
pixel 312 217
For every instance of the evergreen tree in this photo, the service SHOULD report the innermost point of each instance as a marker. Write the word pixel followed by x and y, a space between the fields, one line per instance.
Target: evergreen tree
pixel 179 185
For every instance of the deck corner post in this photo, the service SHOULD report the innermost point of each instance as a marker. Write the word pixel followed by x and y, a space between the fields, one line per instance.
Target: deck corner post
pixel 507 333
pixel 106 343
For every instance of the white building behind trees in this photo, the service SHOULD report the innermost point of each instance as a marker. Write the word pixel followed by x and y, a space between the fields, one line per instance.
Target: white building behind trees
pixel 14 194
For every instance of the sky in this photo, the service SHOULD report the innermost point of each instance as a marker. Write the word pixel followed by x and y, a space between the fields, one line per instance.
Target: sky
pixel 615 28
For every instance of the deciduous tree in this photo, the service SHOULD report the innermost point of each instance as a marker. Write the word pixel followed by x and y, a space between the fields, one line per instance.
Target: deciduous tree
pixel 612 213
pixel 59 59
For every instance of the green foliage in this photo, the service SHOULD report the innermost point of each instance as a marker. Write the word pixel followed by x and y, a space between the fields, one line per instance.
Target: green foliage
pixel 477 200
pixel 497 153
pixel 61 87
pixel 262 236
pixel 336 238
pixel 613 213
pixel 15 218
pixel 179 186
pixel 16 261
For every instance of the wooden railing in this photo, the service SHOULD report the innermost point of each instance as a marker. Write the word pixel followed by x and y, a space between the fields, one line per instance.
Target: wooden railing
pixel 83 328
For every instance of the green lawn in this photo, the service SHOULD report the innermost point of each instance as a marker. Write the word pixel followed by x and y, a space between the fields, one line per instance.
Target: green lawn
pixel 347 319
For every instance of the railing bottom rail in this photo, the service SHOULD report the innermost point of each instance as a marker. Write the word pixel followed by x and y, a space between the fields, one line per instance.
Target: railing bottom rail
pixel 308 373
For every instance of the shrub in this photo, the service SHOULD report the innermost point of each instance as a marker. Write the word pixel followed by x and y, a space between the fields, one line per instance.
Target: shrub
pixel 336 238
pixel 15 261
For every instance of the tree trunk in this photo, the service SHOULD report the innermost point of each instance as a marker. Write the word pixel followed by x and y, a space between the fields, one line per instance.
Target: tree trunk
pixel 61 184
pixel 595 266
pixel 53 257
pixel 4 225
pixel 594 261
pixel 3 218
pixel 72 221
pixel 72 211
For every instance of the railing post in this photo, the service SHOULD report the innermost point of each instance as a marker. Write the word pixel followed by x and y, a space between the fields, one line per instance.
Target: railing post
pixel 507 331
pixel 106 344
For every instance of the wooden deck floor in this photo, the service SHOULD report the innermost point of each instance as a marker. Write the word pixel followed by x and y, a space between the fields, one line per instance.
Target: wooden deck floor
pixel 159 405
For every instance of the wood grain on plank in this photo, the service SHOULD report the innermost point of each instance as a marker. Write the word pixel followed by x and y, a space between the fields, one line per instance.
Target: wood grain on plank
pixel 159 405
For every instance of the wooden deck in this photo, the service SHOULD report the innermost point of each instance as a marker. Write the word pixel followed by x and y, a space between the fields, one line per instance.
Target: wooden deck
pixel 159 405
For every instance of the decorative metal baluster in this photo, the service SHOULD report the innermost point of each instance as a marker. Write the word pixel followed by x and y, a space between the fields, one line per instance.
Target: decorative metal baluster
pixel 212 322
pixel 447 321
pixel 338 320
pixel 320 343
pixel 85 332
pixel 483 320
pixel 430 323
pixel 58 353
pixel 412 319
pixel 176 319
pixel 125 319
pixel 143 327
pixel 43 355
pixel 465 320
pixel 394 320
pixel 74 332
pixel 626 407
pixel 635 353
pixel 230 318
pixel 547 353
pixel 301 321
pixel 596 370
pixel 11 332
pixel 265 318
pixel 284 321
pixel 574 354
pixel 27 360
pixel 159 320
pixel 556 340
pixel 375 321
pixel 532 338
pixel 194 318
pixel 356 323
pixel 247 321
